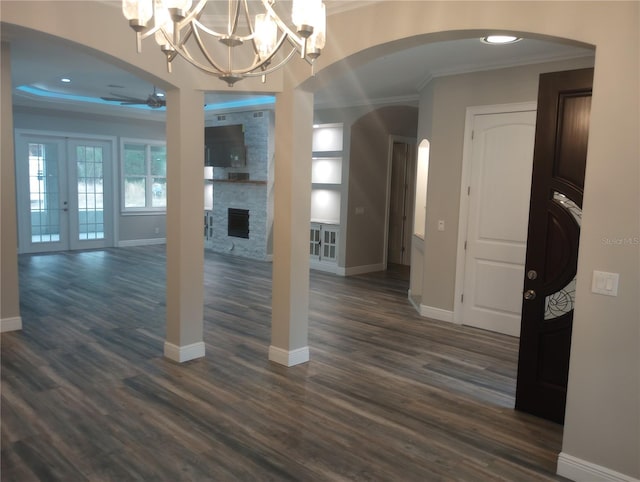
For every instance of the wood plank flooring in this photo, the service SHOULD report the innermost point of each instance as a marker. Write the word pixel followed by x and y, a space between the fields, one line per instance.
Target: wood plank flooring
pixel 387 395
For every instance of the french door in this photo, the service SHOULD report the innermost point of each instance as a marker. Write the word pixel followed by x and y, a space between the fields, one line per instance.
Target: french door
pixel 64 191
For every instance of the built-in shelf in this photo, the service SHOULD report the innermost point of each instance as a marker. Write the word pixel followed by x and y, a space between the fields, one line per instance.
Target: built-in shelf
pixel 327 185
pixel 327 138
pixel 326 170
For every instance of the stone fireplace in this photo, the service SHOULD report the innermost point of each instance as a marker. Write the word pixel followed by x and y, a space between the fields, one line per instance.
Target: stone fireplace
pixel 239 217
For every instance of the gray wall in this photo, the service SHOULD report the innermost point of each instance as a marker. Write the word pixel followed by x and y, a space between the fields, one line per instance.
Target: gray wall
pixel 368 165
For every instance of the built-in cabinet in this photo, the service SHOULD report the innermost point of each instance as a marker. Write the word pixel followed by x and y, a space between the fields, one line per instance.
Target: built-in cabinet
pixel 323 242
pixel 326 196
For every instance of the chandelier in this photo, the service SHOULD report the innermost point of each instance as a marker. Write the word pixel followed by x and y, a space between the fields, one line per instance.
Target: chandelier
pixel 240 44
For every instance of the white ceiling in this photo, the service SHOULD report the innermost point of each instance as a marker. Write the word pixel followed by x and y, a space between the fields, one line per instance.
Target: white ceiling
pixel 39 64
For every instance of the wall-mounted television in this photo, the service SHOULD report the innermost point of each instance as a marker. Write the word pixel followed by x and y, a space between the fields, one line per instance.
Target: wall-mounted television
pixel 224 146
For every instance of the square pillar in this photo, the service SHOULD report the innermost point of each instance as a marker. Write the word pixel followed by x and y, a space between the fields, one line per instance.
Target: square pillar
pixel 185 209
pixel 292 207
pixel 10 318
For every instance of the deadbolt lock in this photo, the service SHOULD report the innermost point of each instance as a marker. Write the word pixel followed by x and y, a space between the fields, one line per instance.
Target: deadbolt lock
pixel 532 274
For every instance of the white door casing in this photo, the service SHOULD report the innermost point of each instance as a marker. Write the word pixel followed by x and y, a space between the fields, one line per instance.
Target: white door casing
pixel 494 209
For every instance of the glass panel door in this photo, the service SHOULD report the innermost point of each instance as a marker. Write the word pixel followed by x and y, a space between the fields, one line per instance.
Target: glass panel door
pixel 87 181
pixel 42 204
pixel 61 189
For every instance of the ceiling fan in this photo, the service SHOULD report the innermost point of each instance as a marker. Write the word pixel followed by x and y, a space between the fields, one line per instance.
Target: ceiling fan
pixel 154 100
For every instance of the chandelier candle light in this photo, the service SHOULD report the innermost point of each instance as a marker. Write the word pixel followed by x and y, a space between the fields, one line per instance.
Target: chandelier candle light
pixel 178 27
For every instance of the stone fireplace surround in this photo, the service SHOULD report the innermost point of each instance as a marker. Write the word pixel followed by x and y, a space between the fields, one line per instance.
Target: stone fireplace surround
pixel 230 189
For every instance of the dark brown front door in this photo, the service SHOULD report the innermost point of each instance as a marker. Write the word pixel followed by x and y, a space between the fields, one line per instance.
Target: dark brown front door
pixel 560 152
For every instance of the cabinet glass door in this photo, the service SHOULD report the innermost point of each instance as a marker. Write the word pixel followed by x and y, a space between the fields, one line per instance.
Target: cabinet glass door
pixel 314 242
pixel 329 244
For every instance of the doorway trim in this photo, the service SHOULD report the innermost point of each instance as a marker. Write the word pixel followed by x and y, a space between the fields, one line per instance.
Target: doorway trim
pixel 465 181
pixel 405 140
pixel 114 172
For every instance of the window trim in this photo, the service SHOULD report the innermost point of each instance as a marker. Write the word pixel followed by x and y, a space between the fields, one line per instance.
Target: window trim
pixel 148 208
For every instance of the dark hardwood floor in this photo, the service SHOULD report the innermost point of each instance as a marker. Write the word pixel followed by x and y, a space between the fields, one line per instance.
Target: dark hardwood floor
pixel 387 395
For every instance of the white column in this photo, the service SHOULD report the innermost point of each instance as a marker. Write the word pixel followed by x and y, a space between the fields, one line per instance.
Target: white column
pixel 10 318
pixel 292 205
pixel 185 209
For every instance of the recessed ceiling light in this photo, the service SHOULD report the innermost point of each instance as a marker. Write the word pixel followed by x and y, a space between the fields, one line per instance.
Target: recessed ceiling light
pixel 66 80
pixel 160 94
pixel 500 39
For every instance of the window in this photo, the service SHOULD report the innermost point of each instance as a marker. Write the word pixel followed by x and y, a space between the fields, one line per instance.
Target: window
pixel 144 176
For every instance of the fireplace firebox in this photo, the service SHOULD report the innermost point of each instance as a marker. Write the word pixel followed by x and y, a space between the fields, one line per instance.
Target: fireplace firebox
pixel 238 223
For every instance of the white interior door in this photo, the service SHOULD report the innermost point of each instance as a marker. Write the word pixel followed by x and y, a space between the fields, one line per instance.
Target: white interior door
pixel 64 193
pixel 499 192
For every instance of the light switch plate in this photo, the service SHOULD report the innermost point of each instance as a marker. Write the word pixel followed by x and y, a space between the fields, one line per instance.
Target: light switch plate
pixel 605 283
pixel 441 225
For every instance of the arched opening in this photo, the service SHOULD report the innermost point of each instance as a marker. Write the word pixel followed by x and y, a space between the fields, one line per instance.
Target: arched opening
pixel 419 224
pixel 422 181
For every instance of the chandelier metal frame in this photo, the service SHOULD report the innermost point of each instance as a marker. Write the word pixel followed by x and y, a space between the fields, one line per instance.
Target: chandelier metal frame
pixel 173 26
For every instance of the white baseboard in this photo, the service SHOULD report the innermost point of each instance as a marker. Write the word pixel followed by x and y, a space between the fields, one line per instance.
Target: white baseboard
pixel 326 267
pixel 415 302
pixel 582 471
pixel 289 358
pixel 10 324
pixel 356 270
pixel 436 313
pixel 183 353
pixel 128 243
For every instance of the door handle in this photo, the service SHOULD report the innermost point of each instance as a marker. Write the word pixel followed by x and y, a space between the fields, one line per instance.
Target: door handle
pixel 529 295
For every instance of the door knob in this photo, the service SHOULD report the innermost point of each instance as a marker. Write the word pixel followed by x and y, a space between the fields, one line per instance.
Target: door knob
pixel 529 295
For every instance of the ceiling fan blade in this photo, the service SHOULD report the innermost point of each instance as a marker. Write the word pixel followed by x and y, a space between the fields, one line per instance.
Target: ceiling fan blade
pixel 121 97
pixel 154 100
